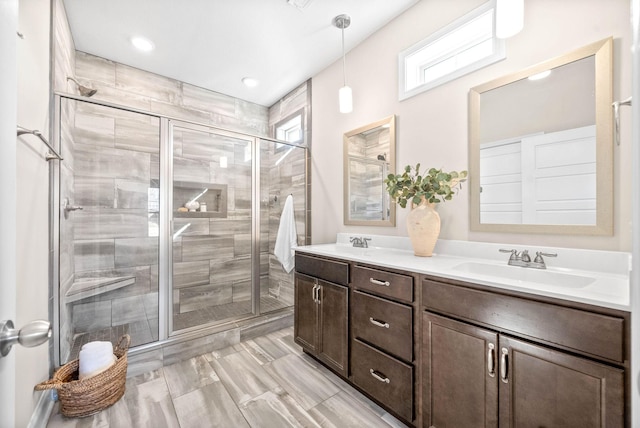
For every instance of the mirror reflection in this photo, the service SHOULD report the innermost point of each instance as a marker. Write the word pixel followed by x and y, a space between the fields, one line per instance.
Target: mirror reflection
pixel 540 147
pixel 369 156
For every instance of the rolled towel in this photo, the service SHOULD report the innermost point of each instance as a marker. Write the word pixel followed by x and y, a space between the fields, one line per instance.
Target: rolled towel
pixel 94 358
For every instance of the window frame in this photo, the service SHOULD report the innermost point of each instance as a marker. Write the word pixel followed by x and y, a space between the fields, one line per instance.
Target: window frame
pixel 404 57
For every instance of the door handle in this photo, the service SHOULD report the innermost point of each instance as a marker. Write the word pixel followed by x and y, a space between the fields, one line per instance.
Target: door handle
pixel 491 360
pixel 33 334
pixel 378 282
pixel 379 376
pixel 378 323
pixel 504 365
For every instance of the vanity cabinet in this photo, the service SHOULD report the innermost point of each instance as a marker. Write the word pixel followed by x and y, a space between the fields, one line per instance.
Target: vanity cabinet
pixel 382 337
pixel 321 310
pixel 490 360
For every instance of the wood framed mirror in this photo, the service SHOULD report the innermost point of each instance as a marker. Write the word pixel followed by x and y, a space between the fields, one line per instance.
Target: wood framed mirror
pixel 369 157
pixel 541 148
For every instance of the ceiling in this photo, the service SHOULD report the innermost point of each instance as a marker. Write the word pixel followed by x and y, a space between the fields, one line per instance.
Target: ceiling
pixel 215 43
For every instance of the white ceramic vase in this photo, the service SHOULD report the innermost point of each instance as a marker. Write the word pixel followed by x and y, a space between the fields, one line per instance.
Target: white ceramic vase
pixel 423 227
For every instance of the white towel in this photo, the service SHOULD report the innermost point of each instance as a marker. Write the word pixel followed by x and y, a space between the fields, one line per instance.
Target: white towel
pixel 95 357
pixel 287 238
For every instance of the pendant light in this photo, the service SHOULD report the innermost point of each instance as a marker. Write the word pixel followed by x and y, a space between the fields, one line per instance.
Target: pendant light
pixel 345 96
pixel 509 17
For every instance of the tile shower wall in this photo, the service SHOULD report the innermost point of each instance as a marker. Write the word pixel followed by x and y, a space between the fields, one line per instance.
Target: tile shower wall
pixel 64 65
pixel 284 178
pixel 87 251
pixel 113 240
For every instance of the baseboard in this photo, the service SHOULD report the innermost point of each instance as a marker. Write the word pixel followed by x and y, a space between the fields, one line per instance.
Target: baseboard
pixel 42 411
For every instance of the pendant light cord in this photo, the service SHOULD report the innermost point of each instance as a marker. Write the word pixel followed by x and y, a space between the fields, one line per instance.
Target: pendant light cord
pixel 344 61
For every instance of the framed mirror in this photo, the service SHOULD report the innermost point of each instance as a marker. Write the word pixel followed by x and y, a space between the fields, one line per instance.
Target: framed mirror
pixel 541 147
pixel 369 157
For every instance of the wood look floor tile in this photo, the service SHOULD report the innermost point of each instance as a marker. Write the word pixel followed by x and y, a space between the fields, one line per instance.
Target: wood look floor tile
pixel 243 377
pixel 210 406
pixel 276 410
pixel 344 411
pixel 302 380
pixel 189 375
pixel 148 404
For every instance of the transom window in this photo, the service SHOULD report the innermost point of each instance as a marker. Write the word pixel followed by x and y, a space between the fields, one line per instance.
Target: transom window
pixel 465 45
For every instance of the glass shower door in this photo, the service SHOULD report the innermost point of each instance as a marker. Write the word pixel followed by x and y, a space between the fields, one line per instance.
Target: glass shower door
pixel 109 207
pixel 212 226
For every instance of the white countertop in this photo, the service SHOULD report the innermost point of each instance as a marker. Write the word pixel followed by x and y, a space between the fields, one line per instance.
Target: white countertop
pixel 570 276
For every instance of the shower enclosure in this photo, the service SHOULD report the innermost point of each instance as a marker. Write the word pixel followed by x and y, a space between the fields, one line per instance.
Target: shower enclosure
pixel 165 226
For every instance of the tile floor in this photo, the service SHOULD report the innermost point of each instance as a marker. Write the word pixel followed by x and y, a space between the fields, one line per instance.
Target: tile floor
pixel 265 382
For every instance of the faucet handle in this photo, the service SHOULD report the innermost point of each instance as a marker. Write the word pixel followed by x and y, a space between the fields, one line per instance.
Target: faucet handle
pixel 539 255
pixel 514 253
pixel 364 242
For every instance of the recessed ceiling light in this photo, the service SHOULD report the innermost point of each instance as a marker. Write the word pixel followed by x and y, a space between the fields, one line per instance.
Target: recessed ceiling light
pixel 250 82
pixel 142 44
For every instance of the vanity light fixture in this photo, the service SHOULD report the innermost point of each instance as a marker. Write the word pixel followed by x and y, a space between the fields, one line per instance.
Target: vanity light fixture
pixel 142 44
pixel 540 76
pixel 509 17
pixel 345 95
pixel 250 82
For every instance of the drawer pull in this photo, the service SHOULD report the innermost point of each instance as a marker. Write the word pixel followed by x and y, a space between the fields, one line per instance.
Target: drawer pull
pixel 380 377
pixel 491 360
pixel 378 323
pixel 504 365
pixel 378 282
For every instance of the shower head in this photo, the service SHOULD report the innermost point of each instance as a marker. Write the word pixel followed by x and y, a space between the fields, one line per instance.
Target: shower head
pixel 84 91
pixel 382 157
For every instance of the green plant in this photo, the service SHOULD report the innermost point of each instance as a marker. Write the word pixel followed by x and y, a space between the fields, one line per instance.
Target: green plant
pixel 435 185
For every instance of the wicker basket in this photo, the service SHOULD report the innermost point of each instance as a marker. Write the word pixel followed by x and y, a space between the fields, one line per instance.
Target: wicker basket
pixel 85 397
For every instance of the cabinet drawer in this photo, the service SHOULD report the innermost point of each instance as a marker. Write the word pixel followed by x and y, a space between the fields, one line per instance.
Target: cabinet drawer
pixel 575 329
pixel 383 323
pixel 381 283
pixel 329 270
pixel 388 380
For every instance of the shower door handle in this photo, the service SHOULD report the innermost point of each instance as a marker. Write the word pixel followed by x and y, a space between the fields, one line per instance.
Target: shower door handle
pixel 68 207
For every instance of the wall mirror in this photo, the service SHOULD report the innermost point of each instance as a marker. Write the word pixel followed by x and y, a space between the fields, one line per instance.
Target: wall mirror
pixel 369 157
pixel 541 147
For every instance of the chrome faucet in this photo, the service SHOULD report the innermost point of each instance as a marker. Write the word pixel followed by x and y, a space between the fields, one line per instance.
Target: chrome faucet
pixel 523 259
pixel 538 262
pixel 359 242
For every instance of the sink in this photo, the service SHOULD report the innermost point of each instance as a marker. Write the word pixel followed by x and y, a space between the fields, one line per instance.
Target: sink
pixel 356 251
pixel 556 279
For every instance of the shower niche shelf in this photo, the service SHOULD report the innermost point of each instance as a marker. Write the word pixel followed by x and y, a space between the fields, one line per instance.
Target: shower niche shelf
pixel 214 195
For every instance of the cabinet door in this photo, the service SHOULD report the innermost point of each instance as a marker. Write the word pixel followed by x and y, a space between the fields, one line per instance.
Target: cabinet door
pixel 333 326
pixel 459 374
pixel 305 330
pixel 542 387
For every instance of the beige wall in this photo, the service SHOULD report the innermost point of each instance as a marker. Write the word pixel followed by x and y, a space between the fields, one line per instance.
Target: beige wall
pixel 432 126
pixel 32 203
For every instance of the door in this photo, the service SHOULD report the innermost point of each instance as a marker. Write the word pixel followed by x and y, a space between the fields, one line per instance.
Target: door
pixel 305 313
pixel 546 388
pixel 8 107
pixel 333 325
pixel 459 374
pixel 213 226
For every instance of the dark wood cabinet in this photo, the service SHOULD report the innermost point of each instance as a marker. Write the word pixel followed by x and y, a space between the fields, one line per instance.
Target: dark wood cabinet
pixel 459 374
pixel 474 374
pixel 544 387
pixel 321 313
pixel 451 353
